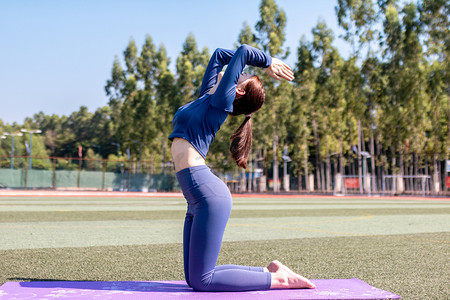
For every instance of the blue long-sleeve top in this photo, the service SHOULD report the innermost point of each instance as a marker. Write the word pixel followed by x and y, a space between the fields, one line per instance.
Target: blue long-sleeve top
pixel 198 121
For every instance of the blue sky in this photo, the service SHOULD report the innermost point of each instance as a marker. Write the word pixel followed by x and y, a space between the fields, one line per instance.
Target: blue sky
pixel 57 55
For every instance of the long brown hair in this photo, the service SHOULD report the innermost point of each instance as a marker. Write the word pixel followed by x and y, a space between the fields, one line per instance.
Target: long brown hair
pixel 251 101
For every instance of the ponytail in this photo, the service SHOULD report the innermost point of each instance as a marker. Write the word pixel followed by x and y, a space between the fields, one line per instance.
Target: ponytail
pixel 241 143
pixel 251 101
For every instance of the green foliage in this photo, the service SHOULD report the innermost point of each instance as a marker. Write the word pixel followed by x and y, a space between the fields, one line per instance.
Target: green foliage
pixel 191 65
pixel 246 36
pixel 395 84
pixel 270 27
pixel 93 162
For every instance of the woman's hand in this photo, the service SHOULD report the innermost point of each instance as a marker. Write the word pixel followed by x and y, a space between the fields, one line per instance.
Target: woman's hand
pixel 279 70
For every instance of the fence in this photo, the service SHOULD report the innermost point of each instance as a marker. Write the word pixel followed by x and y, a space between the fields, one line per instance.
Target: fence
pixel 121 175
pixel 86 174
pixel 393 184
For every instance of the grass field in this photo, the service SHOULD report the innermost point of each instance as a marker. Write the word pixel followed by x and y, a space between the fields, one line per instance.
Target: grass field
pixel 400 245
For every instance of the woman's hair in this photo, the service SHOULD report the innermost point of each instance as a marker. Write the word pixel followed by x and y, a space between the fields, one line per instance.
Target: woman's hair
pixel 251 101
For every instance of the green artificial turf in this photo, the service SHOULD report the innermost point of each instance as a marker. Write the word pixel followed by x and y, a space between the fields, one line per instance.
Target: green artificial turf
pixel 56 216
pixel 413 265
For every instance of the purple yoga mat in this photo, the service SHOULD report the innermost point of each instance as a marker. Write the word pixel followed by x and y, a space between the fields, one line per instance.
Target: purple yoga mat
pixel 47 290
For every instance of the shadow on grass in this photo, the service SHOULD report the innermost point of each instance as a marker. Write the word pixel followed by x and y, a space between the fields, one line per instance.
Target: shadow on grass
pixel 131 286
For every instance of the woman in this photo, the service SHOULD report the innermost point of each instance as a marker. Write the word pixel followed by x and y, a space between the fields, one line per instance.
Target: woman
pixel 209 200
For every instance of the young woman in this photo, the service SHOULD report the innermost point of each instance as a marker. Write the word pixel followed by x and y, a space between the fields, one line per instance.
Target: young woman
pixel 209 200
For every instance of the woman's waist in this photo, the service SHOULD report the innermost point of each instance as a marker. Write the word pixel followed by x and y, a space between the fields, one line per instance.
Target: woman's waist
pixel 184 155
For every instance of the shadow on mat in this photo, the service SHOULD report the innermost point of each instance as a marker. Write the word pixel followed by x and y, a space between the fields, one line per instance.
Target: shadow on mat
pixel 132 286
pixel 38 279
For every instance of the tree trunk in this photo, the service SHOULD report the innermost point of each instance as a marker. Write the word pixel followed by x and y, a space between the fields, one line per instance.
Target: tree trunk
pixel 405 173
pixel 400 152
pixel 341 158
pixel 401 164
pixel 318 160
pixel 359 159
pixel 305 161
pixel 427 173
pixel 394 182
pixel 372 145
pixel 415 170
pixel 411 171
pixel 322 174
pixel 275 164
pixel 381 166
pixel 435 174
pixel 372 160
pixel 328 171
pixel 250 174
pixel 299 180
pixel 335 166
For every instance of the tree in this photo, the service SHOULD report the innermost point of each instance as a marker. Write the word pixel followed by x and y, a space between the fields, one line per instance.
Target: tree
pixel 246 36
pixel 358 19
pixel 166 105
pixel 325 56
pixel 114 89
pixel 300 121
pixel 414 101
pixel 102 127
pixel 434 19
pixel 270 28
pixel 191 65
pixel 133 98
pixel 270 37
pixel 393 120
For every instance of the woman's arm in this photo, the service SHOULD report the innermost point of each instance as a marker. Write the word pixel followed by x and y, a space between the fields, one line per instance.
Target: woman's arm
pixel 226 91
pixel 220 58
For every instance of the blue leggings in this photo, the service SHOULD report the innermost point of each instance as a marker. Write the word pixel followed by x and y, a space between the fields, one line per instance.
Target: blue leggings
pixel 209 207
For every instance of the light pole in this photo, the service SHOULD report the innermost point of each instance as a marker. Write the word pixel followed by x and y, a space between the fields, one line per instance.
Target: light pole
pixel 12 145
pixel 31 144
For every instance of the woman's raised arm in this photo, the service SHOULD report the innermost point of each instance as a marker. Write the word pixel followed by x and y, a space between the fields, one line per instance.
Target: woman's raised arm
pixel 220 58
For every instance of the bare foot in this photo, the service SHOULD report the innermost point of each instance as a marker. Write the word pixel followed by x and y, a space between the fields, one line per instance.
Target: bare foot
pixel 284 277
